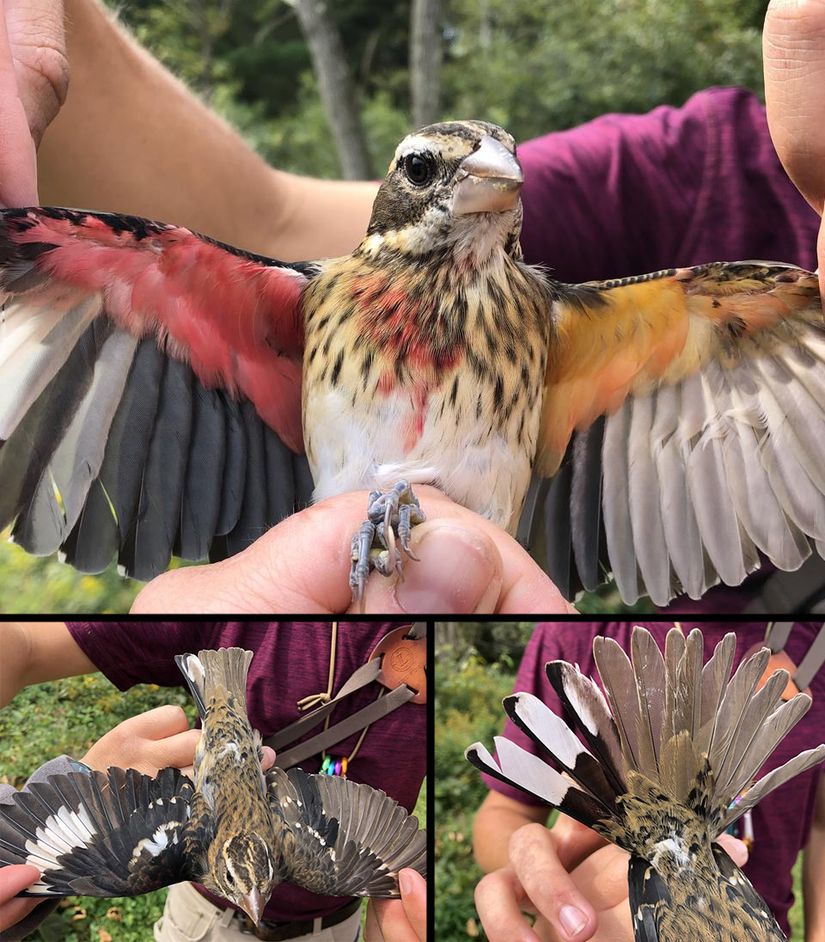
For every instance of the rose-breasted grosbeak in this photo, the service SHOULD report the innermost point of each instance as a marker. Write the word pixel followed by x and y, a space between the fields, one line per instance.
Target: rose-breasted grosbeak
pixel 233 829
pixel 153 382
pixel 668 766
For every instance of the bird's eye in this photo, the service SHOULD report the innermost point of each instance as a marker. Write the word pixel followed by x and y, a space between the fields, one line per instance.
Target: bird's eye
pixel 229 878
pixel 419 169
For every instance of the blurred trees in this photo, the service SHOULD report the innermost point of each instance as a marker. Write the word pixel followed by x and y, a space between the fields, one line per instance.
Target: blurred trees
pixel 531 65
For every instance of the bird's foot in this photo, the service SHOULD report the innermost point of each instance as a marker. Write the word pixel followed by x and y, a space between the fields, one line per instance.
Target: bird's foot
pixel 391 515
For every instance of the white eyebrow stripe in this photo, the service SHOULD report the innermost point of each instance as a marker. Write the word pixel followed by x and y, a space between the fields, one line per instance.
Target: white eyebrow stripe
pixel 413 144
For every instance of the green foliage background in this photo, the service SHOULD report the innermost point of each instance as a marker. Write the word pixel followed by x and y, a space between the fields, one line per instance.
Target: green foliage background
pixel 533 66
pixel 66 717
pixel 473 673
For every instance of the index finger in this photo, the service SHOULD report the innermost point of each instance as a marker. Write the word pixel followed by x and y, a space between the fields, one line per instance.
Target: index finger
pixel 13 879
pixel 18 166
pixel 554 893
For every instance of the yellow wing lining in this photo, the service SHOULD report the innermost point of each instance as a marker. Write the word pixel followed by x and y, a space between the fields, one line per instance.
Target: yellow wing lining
pixel 624 337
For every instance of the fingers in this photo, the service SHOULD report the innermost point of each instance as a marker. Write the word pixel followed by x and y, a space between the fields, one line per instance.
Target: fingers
pixel 38 43
pixel 574 842
pixel 735 849
pixel 159 723
pixel 414 899
pixel 602 879
pixel 303 565
pixel 820 256
pixel 794 57
pixel 403 920
pixel 538 876
pixel 268 759
pixel 13 879
pixel 500 900
pixel 147 742
pixel 18 173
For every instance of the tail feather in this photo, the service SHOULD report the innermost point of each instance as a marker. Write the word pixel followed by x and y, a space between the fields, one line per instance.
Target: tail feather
pixel 523 770
pixel 585 702
pixel 734 703
pixel 756 713
pixel 552 734
pixel 715 676
pixel 210 671
pixel 669 728
pixel 649 667
pixel 620 683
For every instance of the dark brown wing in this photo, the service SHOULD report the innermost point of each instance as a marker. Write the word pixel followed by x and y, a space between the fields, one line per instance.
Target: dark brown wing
pixel 343 838
pixel 118 833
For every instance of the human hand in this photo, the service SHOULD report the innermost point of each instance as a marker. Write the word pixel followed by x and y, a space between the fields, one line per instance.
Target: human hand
pixel 34 78
pixel 571 879
pixel 793 45
pixel 152 741
pixel 399 920
pixel 467 565
pixel 13 879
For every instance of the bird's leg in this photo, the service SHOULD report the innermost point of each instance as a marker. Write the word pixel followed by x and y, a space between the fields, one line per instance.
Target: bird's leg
pixel 391 515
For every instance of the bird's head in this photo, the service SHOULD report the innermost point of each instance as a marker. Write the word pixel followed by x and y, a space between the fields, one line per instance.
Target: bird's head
pixel 244 873
pixel 452 186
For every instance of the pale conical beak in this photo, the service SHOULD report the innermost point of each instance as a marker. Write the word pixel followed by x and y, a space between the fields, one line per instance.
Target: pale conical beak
pixel 489 180
pixel 253 905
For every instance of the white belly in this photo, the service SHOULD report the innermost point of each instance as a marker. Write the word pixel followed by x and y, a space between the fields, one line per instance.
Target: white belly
pixel 398 440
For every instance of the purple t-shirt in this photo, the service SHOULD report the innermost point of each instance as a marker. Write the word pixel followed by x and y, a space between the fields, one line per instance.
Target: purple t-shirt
pixel 627 194
pixel 291 662
pixel 782 821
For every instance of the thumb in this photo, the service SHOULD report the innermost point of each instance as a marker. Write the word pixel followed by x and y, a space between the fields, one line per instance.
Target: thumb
pixel 467 564
pixel 793 43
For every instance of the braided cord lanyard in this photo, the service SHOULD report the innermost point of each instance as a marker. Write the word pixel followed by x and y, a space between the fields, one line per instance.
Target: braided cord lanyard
pixel 329 764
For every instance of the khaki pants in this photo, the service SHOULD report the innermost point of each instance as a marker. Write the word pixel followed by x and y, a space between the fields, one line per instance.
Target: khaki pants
pixel 190 917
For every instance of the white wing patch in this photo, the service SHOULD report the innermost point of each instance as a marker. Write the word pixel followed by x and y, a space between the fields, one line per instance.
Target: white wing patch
pixel 165 836
pixel 61 833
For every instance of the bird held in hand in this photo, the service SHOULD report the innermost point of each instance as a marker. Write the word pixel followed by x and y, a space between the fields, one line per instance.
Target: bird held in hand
pixel 233 829
pixel 159 388
pixel 665 764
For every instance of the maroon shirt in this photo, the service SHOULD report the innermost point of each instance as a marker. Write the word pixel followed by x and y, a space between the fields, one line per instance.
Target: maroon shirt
pixel 627 194
pixel 291 661
pixel 782 821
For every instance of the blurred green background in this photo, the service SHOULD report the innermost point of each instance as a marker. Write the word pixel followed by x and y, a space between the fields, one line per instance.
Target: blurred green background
pixel 475 668
pixel 66 717
pixel 531 65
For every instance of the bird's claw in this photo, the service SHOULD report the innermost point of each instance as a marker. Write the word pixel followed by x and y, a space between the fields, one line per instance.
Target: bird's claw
pixel 391 515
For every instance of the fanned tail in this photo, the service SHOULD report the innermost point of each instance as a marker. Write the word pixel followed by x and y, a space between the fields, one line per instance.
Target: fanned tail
pixel 209 671
pixel 669 726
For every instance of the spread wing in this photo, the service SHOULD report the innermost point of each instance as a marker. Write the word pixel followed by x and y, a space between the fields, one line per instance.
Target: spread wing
pixel 150 387
pixel 118 833
pixel 341 838
pixel 683 429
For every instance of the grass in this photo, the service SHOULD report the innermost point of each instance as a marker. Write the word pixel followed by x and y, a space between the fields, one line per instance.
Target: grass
pixel 468 708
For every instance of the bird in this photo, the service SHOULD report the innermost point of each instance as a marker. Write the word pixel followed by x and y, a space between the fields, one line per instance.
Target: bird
pixel 162 392
pixel 662 766
pixel 232 828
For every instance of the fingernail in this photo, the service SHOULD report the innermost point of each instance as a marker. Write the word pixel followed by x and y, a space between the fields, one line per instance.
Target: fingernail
pixel 572 920
pixel 406 883
pixel 457 572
